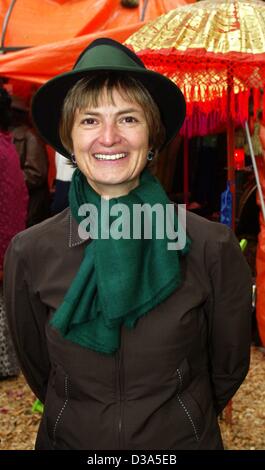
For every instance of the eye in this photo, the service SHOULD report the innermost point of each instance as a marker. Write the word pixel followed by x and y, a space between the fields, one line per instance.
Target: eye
pixel 129 119
pixel 89 121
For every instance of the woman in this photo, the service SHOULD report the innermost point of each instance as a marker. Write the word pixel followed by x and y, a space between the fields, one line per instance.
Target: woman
pixel 13 209
pixel 130 344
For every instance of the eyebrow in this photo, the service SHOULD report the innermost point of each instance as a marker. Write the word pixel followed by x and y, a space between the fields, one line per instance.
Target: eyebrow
pixel 119 113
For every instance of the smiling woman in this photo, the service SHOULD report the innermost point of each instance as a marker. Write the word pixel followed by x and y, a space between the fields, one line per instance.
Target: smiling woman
pixel 129 343
pixel 110 132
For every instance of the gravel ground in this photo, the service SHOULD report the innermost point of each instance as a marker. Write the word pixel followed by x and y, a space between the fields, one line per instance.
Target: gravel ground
pixel 246 431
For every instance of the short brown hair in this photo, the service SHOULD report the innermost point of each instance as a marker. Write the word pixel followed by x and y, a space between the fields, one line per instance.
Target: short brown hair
pixel 86 92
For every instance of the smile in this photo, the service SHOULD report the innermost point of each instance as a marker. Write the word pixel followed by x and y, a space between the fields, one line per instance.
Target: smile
pixel 114 156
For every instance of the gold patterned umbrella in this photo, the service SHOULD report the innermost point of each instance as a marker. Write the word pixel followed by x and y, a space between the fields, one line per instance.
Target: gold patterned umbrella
pixel 215 51
pixel 208 48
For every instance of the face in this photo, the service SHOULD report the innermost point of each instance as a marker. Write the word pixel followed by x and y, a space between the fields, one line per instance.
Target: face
pixel 110 144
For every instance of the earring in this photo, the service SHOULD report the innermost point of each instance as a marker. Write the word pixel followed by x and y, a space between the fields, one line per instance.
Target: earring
pixel 73 159
pixel 150 155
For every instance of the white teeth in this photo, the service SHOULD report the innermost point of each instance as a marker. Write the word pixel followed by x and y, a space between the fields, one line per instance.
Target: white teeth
pixel 116 156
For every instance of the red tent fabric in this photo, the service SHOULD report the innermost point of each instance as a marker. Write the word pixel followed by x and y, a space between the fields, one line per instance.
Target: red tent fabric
pixel 39 64
pixel 57 45
pixel 32 23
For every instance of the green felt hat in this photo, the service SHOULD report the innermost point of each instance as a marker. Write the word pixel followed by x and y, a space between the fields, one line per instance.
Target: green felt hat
pixel 105 54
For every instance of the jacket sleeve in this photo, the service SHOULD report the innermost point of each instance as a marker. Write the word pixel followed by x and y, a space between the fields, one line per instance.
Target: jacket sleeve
pixel 26 316
pixel 229 317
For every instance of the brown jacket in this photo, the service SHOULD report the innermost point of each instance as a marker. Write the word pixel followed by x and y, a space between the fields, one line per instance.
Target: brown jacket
pixel 174 372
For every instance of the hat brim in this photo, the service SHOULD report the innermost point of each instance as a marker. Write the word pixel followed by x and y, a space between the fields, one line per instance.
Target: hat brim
pixel 48 101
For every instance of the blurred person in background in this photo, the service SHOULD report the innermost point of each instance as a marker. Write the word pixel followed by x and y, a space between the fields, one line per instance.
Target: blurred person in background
pixel 13 211
pixel 33 162
pixel 64 173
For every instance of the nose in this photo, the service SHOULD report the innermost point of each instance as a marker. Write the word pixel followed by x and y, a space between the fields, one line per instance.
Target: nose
pixel 109 134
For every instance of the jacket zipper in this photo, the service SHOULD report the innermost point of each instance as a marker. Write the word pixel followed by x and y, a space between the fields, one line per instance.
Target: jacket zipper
pixel 66 388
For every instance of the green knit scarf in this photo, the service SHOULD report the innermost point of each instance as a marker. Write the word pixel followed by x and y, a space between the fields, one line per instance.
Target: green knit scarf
pixel 119 280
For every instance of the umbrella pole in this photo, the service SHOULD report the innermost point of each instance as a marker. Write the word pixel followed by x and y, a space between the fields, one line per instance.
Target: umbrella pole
pixel 230 151
pixel 256 173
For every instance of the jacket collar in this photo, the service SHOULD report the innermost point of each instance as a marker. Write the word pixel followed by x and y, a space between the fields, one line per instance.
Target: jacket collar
pixel 74 236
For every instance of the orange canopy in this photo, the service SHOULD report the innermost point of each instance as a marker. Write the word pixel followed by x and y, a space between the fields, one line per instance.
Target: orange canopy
pixel 34 22
pixel 57 29
pixel 38 64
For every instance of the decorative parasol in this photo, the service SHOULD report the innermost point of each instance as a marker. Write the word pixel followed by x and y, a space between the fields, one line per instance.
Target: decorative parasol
pixel 215 52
